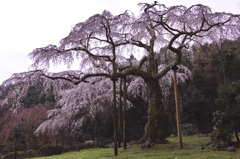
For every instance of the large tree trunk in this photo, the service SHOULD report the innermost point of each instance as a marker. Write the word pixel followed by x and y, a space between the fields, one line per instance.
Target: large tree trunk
pixel 155 127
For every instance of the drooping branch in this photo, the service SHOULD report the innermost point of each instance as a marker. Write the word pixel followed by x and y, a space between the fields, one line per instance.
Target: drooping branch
pixel 139 43
pixel 94 75
pixel 87 52
pixel 133 70
pixel 58 77
pixel 74 79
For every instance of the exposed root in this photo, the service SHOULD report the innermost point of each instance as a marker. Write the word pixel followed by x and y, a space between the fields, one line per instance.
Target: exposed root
pixel 147 143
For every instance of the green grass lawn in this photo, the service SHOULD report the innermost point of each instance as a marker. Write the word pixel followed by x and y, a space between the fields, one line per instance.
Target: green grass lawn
pixel 159 151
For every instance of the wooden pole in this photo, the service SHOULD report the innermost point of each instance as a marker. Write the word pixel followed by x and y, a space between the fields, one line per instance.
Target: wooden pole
pixel 115 119
pixel 178 119
pixel 120 114
pixel 124 113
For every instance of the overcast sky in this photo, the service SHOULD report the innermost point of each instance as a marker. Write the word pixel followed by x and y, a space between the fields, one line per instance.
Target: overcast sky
pixel 29 24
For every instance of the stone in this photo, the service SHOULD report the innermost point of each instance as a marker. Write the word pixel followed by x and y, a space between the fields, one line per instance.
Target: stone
pixel 210 147
pixel 133 142
pixel 207 144
pixel 147 144
pixel 201 148
pixel 111 145
pixel 192 147
pixel 87 144
pixel 231 148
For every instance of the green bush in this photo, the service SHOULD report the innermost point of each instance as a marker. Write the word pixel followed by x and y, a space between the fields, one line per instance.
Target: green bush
pixel 31 153
pixel 21 154
pixel 187 129
pixel 49 150
pixel 227 118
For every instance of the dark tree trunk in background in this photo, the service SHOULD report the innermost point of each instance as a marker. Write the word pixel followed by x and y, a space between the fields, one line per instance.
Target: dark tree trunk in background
pixel 56 147
pixel 15 154
pixel 236 134
pixel 96 130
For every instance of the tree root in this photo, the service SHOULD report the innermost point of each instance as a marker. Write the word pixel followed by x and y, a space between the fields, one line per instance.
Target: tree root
pixel 147 143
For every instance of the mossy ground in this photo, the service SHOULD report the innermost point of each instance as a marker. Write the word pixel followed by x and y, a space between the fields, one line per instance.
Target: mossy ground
pixel 160 151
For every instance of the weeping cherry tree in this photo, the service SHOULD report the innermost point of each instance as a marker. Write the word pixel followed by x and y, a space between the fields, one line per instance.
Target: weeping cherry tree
pixel 97 43
pixel 176 28
pixel 103 41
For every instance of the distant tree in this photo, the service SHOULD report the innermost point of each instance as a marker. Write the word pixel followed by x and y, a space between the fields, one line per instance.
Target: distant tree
pixel 30 88
pixel 86 103
pixel 97 42
pixel 214 64
pixel 101 45
pixel 195 109
pixel 19 127
pixel 227 118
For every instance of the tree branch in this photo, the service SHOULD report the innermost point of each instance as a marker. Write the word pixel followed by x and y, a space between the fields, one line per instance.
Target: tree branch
pixel 94 75
pixel 133 70
pixel 139 43
pixel 76 80
pixel 88 52
pixel 143 60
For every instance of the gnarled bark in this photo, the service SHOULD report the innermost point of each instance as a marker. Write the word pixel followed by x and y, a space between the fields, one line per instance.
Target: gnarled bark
pixel 155 127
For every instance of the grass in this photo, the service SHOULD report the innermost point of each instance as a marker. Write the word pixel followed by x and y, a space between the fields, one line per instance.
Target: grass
pixel 160 151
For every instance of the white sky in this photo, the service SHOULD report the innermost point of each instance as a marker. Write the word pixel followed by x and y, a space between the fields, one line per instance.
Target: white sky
pixel 29 24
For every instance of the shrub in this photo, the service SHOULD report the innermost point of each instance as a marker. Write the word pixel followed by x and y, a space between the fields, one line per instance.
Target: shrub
pixel 31 153
pixel 226 119
pixel 21 154
pixel 49 150
pixel 187 129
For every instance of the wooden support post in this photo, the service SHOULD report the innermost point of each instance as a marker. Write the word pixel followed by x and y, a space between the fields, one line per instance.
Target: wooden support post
pixel 120 114
pixel 115 119
pixel 124 113
pixel 178 118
